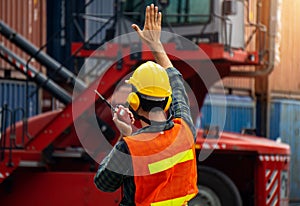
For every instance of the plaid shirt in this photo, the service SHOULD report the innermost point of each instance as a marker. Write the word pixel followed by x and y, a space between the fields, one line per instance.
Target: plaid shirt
pixel 116 168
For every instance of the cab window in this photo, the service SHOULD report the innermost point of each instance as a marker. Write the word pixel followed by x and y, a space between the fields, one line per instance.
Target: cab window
pixel 188 11
pixel 178 12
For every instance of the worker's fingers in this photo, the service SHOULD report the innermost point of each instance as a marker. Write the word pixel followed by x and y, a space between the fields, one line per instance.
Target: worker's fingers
pixel 147 18
pixel 159 17
pixel 137 29
pixel 156 14
pixel 115 117
pixel 152 15
pixel 123 114
pixel 130 115
pixel 132 120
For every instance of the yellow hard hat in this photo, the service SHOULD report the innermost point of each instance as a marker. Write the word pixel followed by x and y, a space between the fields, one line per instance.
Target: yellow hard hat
pixel 151 79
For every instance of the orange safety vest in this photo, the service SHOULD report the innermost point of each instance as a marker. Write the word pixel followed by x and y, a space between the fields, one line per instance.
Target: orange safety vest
pixel 164 164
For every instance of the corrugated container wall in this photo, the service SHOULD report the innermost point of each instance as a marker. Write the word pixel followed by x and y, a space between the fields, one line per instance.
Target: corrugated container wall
pixel 236 112
pixel 285 79
pixel 285 124
pixel 27 17
pixel 15 96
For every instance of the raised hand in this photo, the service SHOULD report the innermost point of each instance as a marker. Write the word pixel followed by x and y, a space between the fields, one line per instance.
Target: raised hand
pixel 152 27
pixel 151 35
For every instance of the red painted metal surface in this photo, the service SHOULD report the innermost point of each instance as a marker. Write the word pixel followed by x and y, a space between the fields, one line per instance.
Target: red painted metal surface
pixel 7 166
pixel 212 51
pixel 54 188
pixel 272 180
pixel 239 142
pixel 34 125
pixel 82 102
pixel 271 167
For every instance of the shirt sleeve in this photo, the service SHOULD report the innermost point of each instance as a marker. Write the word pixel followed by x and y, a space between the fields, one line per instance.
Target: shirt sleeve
pixel 180 107
pixel 114 168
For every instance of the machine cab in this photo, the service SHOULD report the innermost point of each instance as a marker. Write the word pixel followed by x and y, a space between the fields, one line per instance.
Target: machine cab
pixel 207 21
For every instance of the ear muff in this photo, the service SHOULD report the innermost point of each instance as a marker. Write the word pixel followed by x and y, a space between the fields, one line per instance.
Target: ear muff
pixel 133 101
pixel 168 104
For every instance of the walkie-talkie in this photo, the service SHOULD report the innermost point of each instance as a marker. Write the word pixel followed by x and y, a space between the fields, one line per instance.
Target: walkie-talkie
pixel 122 114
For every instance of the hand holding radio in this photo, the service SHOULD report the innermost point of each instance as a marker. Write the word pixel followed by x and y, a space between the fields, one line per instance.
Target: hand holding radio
pixel 124 115
pixel 123 119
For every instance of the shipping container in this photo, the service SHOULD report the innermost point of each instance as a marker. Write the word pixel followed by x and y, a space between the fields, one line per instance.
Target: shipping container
pixel 230 113
pixel 285 126
pixel 285 77
pixel 15 97
pixel 28 18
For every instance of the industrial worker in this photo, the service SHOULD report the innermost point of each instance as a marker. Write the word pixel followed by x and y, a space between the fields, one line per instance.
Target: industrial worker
pixel 162 166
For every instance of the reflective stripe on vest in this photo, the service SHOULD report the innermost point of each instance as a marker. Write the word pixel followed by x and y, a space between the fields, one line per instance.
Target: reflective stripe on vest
pixel 171 161
pixel 177 201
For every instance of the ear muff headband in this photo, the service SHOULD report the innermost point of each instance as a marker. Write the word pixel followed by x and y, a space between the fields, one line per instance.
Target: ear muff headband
pixel 168 104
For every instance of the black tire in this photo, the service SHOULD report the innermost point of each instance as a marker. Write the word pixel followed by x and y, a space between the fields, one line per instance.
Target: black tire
pixel 215 189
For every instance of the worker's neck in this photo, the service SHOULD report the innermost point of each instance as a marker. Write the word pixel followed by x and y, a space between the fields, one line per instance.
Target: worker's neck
pixel 157 116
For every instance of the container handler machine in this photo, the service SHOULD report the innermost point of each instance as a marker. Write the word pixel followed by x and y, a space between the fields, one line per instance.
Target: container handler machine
pixel 45 160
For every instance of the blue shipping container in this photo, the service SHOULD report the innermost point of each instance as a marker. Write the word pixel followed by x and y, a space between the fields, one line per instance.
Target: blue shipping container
pixel 231 113
pixel 285 124
pixel 13 94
